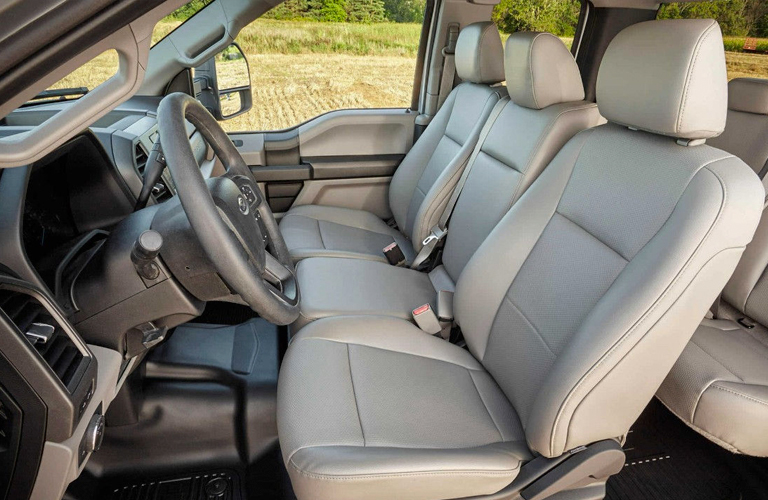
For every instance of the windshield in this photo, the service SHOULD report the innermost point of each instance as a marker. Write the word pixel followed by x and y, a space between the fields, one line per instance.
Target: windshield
pixel 176 18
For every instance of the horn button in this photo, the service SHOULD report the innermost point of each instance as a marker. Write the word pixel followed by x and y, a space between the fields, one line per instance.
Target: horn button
pixel 238 207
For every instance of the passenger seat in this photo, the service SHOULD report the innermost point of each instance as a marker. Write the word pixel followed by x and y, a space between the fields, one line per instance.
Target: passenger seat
pixel 427 175
pixel 719 386
pixel 546 110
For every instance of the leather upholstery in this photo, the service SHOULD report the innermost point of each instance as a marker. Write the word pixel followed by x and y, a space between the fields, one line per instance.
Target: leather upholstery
pixel 540 71
pixel 314 230
pixel 747 126
pixel 521 142
pixel 748 95
pixel 719 386
pixel 574 309
pixel 391 412
pixel 681 94
pixel 478 53
pixel 423 181
pixel 338 287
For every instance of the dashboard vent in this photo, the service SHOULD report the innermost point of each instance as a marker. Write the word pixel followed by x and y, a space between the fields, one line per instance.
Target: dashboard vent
pixel 45 334
pixel 5 428
pixel 140 154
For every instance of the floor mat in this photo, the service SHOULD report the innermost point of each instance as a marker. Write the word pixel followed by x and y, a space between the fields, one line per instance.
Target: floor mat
pixel 666 460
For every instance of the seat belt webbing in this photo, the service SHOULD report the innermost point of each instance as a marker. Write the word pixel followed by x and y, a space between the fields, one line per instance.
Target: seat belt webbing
pixel 439 232
pixel 449 64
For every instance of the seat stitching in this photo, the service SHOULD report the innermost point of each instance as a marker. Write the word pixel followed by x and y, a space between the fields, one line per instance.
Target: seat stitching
pixel 354 394
pixel 323 339
pixel 585 134
pixel 745 396
pixel 530 69
pixel 653 307
pixel 454 472
pixel 530 323
pixel 546 133
pixel 689 71
pixel 609 247
pixel 320 232
pixel 693 341
pixel 488 410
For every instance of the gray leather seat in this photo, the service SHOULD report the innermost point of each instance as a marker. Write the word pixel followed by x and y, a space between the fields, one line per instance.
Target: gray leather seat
pixel 574 308
pixel 427 175
pixel 546 110
pixel 719 386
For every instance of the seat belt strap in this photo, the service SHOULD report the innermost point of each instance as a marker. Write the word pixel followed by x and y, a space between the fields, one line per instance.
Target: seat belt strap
pixel 449 64
pixel 763 171
pixel 440 231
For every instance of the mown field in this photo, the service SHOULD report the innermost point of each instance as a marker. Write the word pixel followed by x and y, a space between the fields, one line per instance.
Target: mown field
pixel 302 69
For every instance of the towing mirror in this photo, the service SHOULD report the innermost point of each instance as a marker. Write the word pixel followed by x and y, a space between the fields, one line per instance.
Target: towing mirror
pixel 223 83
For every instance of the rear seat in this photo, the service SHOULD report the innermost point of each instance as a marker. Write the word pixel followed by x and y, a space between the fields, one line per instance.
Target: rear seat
pixel 546 110
pixel 719 386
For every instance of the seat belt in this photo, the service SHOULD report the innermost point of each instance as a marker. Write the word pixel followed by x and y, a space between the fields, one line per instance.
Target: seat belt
pixel 763 171
pixel 439 231
pixel 449 64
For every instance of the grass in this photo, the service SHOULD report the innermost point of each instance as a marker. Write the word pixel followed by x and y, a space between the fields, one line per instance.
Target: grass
pixel 301 69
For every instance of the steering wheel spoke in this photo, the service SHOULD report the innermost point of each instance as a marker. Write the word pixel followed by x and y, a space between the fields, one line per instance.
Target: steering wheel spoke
pixel 229 214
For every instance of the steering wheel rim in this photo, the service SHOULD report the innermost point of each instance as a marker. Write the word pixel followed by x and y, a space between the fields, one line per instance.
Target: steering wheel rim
pixel 230 236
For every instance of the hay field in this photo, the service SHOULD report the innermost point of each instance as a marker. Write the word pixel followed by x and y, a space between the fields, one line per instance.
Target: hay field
pixel 302 69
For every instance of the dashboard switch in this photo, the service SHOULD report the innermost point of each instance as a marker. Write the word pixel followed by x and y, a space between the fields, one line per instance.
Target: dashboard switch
pixel 145 251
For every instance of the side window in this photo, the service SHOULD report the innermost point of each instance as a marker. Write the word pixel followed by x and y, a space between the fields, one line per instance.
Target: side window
pixel 309 57
pixel 745 31
pixel 558 17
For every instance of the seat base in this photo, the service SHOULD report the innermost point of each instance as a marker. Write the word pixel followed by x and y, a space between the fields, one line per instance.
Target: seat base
pixel 339 287
pixel 320 231
pixel 372 407
pixel 719 386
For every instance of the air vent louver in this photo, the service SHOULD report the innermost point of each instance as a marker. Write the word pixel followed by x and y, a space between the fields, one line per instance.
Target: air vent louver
pixel 44 333
pixel 141 158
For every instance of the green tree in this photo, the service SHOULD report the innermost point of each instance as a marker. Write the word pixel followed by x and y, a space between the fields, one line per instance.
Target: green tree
pixel 558 17
pixel 331 11
pixel 404 11
pixel 365 11
pixel 731 14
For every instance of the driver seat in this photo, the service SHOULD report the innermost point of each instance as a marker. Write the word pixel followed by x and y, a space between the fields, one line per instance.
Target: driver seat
pixel 573 309
pixel 424 180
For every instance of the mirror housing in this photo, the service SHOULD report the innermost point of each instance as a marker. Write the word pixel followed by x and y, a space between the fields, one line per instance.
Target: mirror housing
pixel 223 83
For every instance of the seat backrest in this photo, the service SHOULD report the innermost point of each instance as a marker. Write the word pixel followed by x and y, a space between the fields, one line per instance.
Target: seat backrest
pixel 746 136
pixel 583 296
pixel 423 181
pixel 545 110
pixel 746 130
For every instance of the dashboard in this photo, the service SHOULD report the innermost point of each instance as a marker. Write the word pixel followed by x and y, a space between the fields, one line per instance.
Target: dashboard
pixel 55 219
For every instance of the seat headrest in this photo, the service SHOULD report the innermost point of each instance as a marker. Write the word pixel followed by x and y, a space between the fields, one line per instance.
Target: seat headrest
pixel 541 71
pixel 479 54
pixel 749 95
pixel 667 77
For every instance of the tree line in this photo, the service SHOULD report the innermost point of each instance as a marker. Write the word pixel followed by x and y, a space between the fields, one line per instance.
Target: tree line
pixel 736 17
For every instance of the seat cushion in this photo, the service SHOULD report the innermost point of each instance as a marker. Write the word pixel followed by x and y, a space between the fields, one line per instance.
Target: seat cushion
pixel 371 407
pixel 337 287
pixel 320 231
pixel 719 386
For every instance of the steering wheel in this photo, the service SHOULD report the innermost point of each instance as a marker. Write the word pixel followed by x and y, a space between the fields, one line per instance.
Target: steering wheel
pixel 229 215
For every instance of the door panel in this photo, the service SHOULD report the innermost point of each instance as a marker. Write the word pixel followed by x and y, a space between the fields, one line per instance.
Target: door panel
pixel 344 158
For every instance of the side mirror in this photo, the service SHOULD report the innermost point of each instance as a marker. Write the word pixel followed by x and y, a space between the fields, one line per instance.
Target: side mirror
pixel 223 83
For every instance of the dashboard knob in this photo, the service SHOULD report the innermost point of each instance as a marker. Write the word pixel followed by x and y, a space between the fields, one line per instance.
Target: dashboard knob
pixel 94 434
pixel 145 251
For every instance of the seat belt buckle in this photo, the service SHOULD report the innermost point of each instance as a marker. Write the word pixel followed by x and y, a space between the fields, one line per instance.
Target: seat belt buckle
pixel 436 234
pixel 426 319
pixel 394 255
